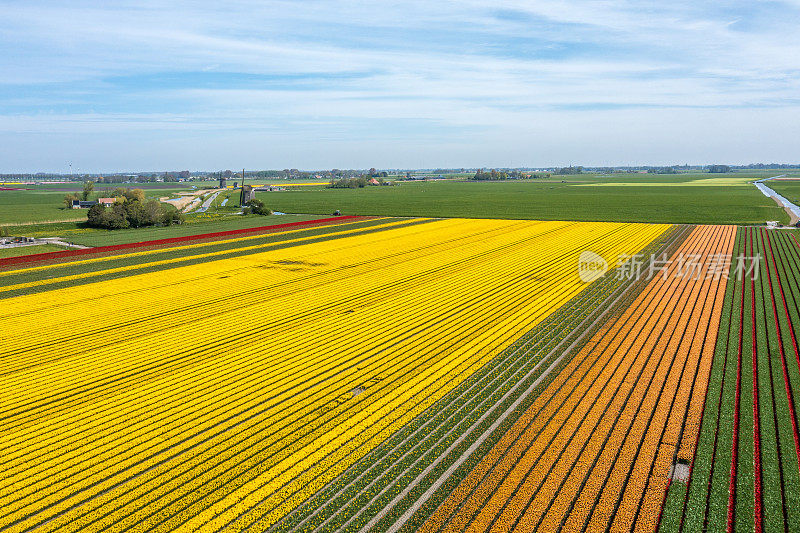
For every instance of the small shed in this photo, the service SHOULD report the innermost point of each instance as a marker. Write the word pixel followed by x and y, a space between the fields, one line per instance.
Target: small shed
pixel 83 204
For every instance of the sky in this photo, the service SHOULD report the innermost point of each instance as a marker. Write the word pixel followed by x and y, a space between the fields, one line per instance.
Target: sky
pixel 312 84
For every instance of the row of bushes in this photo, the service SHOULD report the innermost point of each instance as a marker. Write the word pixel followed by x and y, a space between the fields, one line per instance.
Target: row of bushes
pixel 354 183
pixel 126 213
pixel 494 175
pixel 256 207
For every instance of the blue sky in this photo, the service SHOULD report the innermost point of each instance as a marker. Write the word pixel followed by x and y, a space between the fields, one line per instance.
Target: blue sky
pixel 146 85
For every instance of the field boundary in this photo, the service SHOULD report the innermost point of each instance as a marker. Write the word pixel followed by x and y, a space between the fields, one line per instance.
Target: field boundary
pixel 584 330
pixel 47 256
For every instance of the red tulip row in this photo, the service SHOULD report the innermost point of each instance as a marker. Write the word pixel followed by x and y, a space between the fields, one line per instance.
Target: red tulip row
pixel 104 250
pixel 746 471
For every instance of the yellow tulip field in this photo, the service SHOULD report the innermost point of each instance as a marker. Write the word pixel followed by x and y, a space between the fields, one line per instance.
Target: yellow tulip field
pixel 314 382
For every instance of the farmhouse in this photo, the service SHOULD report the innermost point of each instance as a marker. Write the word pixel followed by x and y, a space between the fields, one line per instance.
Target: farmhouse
pixel 86 204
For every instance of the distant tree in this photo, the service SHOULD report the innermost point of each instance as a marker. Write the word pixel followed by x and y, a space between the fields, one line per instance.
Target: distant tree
pixel 718 169
pixel 88 189
pixel 257 207
pixel 96 213
pixel 69 198
pixel 492 175
pixel 134 195
pixel 155 212
pixel 171 216
pixel 133 212
pixel 349 183
pixel 136 214
pixel 662 170
pixel 570 170
pixel 113 218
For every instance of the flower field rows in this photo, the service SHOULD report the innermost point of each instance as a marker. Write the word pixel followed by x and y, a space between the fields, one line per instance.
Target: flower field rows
pixel 114 264
pixel 372 486
pixel 746 470
pixel 230 392
pixel 166 261
pixel 595 450
pixel 102 250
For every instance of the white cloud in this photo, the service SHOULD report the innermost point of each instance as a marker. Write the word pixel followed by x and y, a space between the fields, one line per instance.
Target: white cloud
pixel 458 67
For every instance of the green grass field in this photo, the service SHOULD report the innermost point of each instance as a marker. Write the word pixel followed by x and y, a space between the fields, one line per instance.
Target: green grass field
pixel 702 199
pixel 44 204
pixel 41 213
pixel 681 198
pixel 28 250
pixel 98 237
pixel 789 189
pixel 20 207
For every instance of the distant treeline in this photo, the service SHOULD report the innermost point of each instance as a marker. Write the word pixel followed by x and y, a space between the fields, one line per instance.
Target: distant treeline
pixel 718 169
pixel 568 171
pixel 293 173
pixel 355 183
pixel 768 166
pixel 662 170
pixel 494 174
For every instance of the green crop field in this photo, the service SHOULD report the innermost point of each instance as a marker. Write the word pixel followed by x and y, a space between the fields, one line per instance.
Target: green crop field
pixel 21 207
pixel 45 203
pixel 78 233
pixel 705 199
pixel 40 212
pixel 789 189
pixel 28 250
pixel 681 198
pixel 109 237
